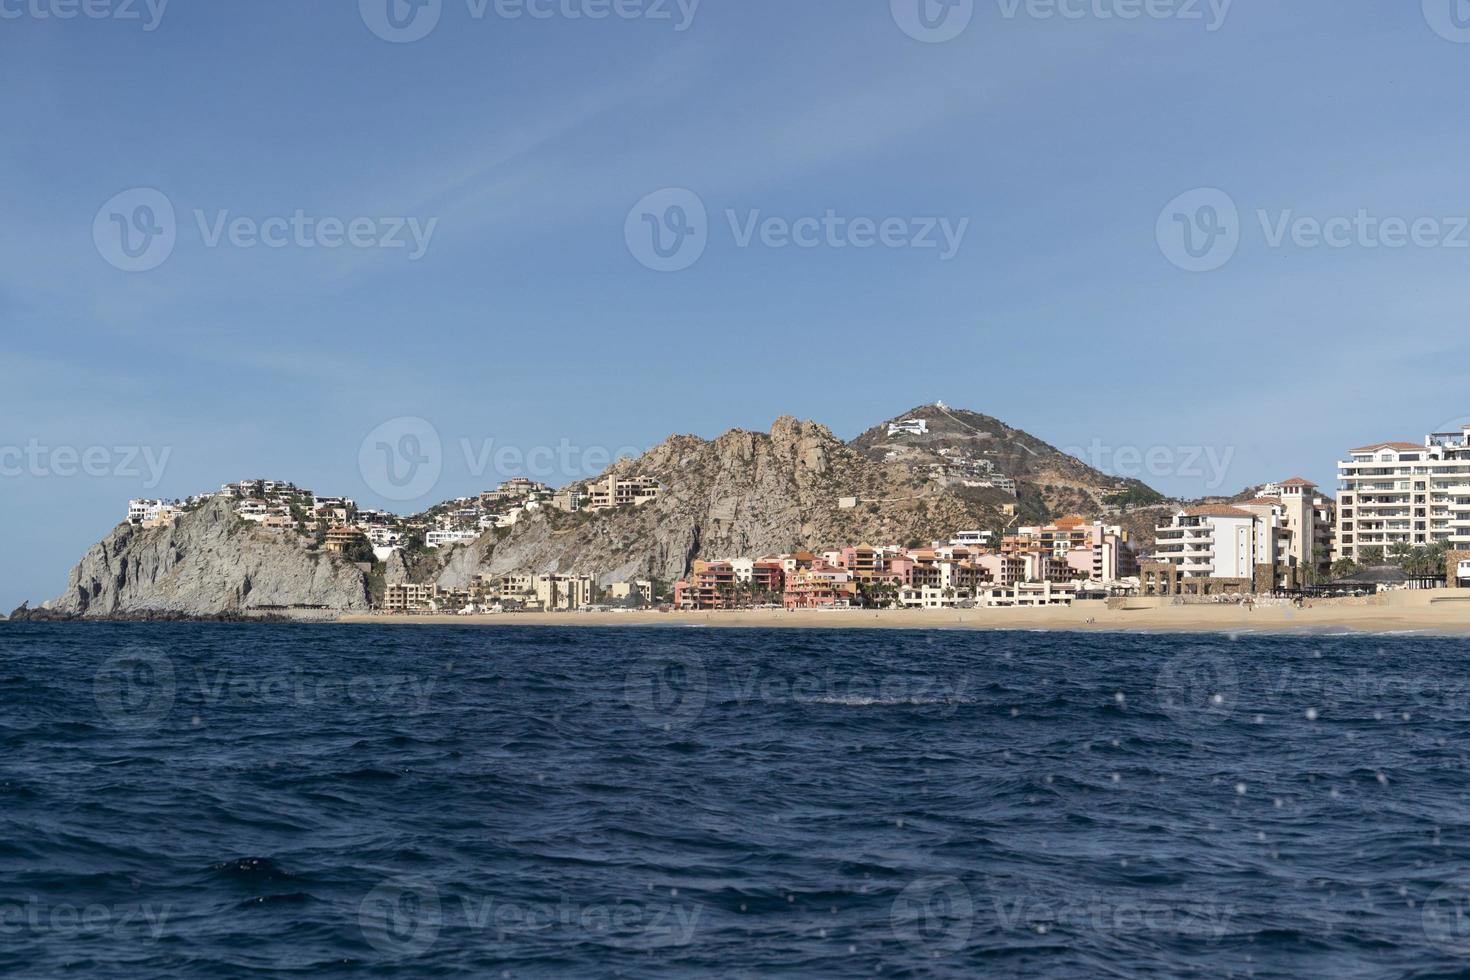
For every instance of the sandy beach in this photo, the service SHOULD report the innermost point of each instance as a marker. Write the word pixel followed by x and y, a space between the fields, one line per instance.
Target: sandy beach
pixel 1441 612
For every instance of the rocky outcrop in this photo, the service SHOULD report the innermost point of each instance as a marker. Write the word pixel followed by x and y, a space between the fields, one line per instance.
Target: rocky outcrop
pixel 208 564
pixel 744 493
pixel 1049 482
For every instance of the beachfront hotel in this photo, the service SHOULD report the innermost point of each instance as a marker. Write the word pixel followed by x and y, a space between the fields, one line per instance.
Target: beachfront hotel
pixel 1414 494
pixel 1224 549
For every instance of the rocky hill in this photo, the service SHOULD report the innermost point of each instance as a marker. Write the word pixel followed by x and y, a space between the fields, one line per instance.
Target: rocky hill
pixel 744 493
pixel 209 563
pixel 964 451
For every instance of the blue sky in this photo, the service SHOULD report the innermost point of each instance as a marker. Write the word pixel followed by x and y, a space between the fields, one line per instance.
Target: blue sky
pixel 529 321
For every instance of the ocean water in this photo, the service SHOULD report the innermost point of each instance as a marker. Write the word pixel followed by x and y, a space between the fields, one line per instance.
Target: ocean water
pixel 230 800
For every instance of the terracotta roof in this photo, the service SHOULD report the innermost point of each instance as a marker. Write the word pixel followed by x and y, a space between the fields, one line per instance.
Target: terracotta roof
pixel 1297 481
pixel 1216 510
pixel 1387 445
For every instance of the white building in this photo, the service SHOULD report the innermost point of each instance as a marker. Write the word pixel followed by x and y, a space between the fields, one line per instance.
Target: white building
pixel 437 539
pixel 971 539
pixel 1405 493
pixel 1227 541
pixel 908 427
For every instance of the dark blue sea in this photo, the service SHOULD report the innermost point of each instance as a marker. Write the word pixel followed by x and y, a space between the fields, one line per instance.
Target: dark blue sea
pixel 230 801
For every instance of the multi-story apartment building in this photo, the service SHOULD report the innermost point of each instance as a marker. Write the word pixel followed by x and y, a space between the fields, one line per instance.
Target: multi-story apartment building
pixel 820 586
pixel 1096 551
pixel 612 492
pixel 1310 516
pixel 406 597
pixel 548 591
pixel 339 539
pixel 728 584
pixel 1220 549
pixel 1405 493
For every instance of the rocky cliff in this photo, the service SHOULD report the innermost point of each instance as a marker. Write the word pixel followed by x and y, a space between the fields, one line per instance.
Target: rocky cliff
pixel 209 563
pixel 745 493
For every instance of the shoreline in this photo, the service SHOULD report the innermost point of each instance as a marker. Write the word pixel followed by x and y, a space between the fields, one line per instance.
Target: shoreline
pixel 1365 617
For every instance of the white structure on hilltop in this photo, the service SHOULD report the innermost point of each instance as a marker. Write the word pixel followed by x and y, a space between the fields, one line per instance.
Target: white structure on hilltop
pixel 1405 493
pixel 908 427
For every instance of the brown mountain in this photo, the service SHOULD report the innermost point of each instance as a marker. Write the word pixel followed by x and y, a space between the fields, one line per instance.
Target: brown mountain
pixel 964 451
